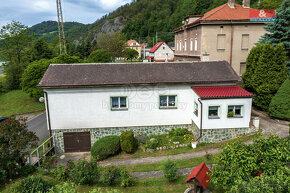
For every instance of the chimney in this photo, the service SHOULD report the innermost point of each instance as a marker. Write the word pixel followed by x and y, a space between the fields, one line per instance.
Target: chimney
pixel 231 4
pixel 246 3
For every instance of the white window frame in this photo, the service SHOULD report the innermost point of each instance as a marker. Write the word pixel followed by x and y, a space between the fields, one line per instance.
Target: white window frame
pixel 195 108
pixel 177 45
pixel 218 112
pixel 167 102
pixel 119 103
pixel 236 116
pixel 185 44
pixel 195 44
pixel 180 45
pixel 191 44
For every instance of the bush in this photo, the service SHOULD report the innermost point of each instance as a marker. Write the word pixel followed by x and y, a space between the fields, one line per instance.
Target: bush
pixel 141 138
pixel 33 184
pixel 61 172
pixel 152 144
pixel 84 172
pixel 128 142
pixel 109 175
pixel 100 56
pixel 178 132
pixel 3 175
pixel 26 170
pixel 170 170
pixel 105 147
pixel 63 188
pixel 47 163
pixel 280 104
pixel 126 179
pixel 99 190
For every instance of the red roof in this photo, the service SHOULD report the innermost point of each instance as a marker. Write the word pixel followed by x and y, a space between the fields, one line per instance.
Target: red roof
pixel 156 47
pixel 201 174
pixel 221 91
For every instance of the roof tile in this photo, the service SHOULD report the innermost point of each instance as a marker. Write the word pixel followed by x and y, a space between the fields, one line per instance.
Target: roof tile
pixel 221 92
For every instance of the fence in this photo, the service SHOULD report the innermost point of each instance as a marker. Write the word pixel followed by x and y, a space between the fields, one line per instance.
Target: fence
pixel 36 155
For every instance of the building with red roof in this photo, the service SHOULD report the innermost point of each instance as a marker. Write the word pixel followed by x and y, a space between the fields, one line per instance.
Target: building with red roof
pixel 133 44
pixel 161 52
pixel 224 33
pixel 199 175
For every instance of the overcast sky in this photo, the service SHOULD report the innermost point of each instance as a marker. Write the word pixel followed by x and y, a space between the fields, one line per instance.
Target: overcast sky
pixel 30 12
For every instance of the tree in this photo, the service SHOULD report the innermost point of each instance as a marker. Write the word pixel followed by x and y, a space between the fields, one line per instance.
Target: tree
pixel 279 32
pixel 130 53
pixel 280 104
pixel 41 50
pixel 267 71
pixel 239 161
pixel 100 56
pixel 14 41
pixel 34 72
pixel 114 43
pixel 15 143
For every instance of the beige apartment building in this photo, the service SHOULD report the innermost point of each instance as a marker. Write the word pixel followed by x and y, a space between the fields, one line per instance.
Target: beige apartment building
pixel 224 33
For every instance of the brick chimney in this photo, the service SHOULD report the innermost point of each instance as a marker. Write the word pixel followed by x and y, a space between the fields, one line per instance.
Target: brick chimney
pixel 246 3
pixel 231 4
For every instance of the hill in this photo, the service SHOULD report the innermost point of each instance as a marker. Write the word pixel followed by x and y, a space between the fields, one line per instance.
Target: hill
pixel 49 30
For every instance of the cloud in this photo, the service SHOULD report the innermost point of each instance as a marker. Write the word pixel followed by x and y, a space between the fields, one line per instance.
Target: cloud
pixel 31 12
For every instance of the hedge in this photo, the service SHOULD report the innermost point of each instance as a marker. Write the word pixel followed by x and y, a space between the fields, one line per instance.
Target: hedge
pixel 128 142
pixel 105 147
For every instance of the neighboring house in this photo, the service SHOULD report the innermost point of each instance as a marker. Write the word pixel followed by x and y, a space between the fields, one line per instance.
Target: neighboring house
pixel 85 102
pixel 224 33
pixel 133 44
pixel 161 52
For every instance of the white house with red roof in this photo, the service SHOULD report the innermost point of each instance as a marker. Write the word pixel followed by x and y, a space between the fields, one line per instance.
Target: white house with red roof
pixel 161 52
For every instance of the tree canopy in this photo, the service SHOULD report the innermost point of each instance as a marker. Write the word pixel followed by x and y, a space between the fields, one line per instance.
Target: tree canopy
pixel 100 56
pixel 130 53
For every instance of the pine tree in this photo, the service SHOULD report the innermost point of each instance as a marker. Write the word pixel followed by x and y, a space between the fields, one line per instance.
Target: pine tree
pixel 270 72
pixel 280 104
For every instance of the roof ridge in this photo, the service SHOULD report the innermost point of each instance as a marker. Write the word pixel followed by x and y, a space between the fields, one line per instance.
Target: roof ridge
pixel 221 7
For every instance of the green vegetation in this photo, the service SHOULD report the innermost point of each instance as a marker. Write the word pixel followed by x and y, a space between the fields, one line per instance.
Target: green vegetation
pixel 33 184
pixel 18 102
pixel 170 170
pixel 100 56
pixel 105 147
pixel 128 142
pixel 265 72
pixel 238 161
pixel 131 54
pixel 84 172
pixel 280 104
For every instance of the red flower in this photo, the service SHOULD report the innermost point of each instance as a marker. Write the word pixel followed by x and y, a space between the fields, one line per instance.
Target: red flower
pixel 167 136
pixel 67 166
pixel 51 166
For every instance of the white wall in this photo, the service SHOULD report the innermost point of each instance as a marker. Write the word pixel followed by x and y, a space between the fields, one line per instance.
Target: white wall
pixel 224 121
pixel 90 107
pixel 160 53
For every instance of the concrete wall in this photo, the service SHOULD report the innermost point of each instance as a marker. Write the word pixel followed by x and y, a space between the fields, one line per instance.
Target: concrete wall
pixel 162 51
pixel 90 108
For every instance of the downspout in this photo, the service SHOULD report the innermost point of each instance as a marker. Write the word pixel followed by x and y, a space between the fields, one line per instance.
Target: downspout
pixel 47 111
pixel 200 128
pixel 231 51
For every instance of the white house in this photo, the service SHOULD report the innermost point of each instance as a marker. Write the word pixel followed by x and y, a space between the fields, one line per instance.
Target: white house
pixel 85 102
pixel 161 52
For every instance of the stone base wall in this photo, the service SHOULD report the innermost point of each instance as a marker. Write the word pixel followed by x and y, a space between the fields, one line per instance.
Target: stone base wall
pixel 219 135
pixel 208 135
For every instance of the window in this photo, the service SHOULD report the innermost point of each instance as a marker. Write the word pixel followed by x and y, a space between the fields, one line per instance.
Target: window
pixel 185 45
pixel 191 45
pixel 119 103
pixel 235 111
pixel 177 45
pixel 180 45
pixel 221 38
pixel 195 44
pixel 167 101
pixel 195 108
pixel 213 112
pixel 245 41
pixel 242 68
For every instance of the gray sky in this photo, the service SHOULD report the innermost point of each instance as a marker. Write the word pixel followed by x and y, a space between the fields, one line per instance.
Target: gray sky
pixel 30 12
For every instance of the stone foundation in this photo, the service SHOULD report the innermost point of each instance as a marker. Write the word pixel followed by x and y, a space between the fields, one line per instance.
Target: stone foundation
pixel 208 135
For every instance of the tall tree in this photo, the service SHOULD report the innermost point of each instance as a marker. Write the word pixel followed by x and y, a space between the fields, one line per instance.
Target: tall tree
pixel 14 41
pixel 41 50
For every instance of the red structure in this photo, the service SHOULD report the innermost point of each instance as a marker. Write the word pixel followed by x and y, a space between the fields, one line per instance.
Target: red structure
pixel 199 176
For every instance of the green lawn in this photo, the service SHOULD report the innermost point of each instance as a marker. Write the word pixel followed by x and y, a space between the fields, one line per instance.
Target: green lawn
pixel 18 102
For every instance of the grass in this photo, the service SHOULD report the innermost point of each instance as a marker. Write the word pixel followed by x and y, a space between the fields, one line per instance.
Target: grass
pixel 184 163
pixel 18 102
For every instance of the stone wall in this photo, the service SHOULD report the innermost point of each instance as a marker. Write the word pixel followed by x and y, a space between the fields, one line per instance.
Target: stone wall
pixel 208 135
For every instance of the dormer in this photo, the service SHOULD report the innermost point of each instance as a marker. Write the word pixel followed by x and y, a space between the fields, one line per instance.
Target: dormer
pixel 191 18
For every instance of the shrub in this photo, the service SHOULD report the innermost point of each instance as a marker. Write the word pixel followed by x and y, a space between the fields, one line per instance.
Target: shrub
pixel 170 170
pixel 280 104
pixel 84 172
pixel 3 175
pixel 63 188
pixel 152 143
pixel 105 147
pixel 26 170
pixel 128 142
pixel 33 184
pixel 47 163
pixel 126 179
pixel 178 132
pixel 141 138
pixel 61 172
pixel 99 190
pixel 100 56
pixel 109 175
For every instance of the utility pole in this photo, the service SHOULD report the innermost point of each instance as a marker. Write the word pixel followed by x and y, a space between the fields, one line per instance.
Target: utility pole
pixel 156 37
pixel 62 46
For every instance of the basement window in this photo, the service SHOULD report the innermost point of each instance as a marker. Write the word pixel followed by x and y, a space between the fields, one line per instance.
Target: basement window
pixel 119 103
